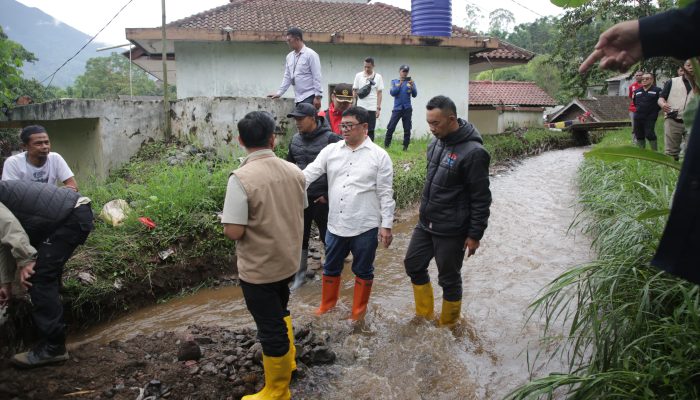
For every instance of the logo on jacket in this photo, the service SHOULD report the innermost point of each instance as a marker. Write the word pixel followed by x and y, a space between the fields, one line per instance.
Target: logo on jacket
pixel 450 159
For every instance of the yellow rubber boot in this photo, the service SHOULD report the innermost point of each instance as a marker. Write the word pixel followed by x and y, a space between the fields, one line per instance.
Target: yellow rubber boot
pixel 423 295
pixel 290 334
pixel 450 312
pixel 278 373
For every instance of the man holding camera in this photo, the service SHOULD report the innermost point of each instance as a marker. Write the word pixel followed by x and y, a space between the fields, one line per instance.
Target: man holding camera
pixel 673 100
pixel 402 90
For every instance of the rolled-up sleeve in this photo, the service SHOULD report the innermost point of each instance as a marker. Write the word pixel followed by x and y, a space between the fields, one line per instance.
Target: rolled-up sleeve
pixel 14 238
pixel 385 191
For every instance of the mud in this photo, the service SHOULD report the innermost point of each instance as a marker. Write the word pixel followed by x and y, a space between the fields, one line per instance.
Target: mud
pixel 156 365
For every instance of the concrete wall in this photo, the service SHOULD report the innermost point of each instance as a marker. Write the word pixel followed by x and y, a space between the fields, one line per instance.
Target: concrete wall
pixel 493 121
pixel 98 136
pixel 485 121
pixel 212 122
pixel 522 119
pixel 256 69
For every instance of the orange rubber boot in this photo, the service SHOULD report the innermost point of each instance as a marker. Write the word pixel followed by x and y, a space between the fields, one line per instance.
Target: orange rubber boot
pixel 330 290
pixel 360 298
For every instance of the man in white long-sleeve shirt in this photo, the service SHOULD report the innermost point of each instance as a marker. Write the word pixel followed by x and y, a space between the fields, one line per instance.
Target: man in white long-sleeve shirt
pixel 302 69
pixel 360 176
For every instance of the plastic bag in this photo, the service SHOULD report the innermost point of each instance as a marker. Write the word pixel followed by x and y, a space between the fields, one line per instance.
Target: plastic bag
pixel 115 211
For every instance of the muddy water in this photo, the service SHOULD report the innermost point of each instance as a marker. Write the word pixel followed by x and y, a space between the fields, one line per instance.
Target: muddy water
pixel 393 356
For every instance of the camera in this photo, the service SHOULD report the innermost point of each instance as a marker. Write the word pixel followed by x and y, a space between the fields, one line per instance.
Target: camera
pixel 673 114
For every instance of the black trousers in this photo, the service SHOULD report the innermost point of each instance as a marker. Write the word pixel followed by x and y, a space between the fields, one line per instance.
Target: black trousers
pixel 267 304
pixel 53 253
pixel 371 124
pixel 309 100
pixel 405 116
pixel 644 128
pixel 315 212
pixel 448 252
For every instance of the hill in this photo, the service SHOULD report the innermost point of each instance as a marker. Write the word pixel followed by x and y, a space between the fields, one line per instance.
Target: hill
pixel 51 41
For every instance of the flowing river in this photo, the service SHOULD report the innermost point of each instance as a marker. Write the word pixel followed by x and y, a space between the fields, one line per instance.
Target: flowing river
pixel 392 356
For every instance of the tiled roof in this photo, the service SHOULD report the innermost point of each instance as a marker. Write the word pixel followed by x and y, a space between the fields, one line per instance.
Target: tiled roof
pixel 310 16
pixel 608 108
pixel 505 52
pixel 508 93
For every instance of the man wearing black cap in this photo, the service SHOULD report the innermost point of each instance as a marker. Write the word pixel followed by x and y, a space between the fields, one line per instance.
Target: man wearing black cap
pixel 402 89
pixel 312 137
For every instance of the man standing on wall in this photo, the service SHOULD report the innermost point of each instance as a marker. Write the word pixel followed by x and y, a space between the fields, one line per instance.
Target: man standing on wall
pixel 341 99
pixel 304 147
pixel 38 163
pixel 40 227
pixel 302 69
pixel 674 98
pixel 264 214
pixel 454 209
pixel 630 92
pixel 402 89
pixel 367 89
pixel 360 176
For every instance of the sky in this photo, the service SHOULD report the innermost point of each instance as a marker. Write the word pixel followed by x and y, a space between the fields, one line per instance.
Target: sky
pixel 89 16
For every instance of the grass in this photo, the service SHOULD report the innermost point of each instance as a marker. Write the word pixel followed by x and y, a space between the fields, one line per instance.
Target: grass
pixel 634 331
pixel 183 200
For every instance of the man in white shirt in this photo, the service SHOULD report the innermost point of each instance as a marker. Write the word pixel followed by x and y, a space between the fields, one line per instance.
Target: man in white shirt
pixel 360 176
pixel 372 102
pixel 302 69
pixel 37 163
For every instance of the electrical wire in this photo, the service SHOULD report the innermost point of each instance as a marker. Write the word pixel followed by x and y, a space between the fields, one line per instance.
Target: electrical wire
pixel 84 46
pixel 534 12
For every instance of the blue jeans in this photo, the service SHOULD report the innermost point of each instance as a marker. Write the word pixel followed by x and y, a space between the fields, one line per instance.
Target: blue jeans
pixel 363 248
pixel 405 117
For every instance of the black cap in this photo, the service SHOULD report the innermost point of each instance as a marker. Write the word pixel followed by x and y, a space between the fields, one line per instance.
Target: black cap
pixel 403 68
pixel 303 110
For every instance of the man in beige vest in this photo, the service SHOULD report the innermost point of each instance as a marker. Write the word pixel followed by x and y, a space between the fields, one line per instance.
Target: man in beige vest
pixel 673 99
pixel 264 214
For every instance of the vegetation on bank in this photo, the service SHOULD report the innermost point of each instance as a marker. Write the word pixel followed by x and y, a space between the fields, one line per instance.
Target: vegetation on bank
pixel 131 264
pixel 633 330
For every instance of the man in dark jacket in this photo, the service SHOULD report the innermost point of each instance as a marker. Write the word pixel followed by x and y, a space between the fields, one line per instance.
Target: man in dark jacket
pixel 40 226
pixel 673 33
pixel 646 100
pixel 313 136
pixel 454 209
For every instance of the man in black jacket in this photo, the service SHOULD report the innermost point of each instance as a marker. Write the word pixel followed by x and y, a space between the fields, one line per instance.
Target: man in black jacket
pixel 454 209
pixel 673 33
pixel 54 221
pixel 646 100
pixel 313 136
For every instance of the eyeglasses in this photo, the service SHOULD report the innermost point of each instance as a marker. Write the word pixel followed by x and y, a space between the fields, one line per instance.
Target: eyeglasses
pixel 347 127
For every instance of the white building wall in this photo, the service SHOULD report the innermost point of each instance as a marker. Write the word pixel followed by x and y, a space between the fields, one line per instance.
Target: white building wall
pixel 520 119
pixel 256 69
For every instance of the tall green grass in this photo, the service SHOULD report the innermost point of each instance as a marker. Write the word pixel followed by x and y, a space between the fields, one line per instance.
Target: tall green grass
pixel 633 331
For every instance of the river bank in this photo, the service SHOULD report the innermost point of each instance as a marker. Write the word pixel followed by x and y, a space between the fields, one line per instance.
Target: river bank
pixel 122 269
pixel 483 357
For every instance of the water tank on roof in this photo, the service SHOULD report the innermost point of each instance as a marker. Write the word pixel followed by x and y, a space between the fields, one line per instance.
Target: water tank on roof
pixel 431 17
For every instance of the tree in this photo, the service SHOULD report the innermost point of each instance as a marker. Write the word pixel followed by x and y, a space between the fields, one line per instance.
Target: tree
pixel 474 17
pixel 12 57
pixel 108 77
pixel 579 29
pixel 540 70
pixel 500 22
pixel 539 36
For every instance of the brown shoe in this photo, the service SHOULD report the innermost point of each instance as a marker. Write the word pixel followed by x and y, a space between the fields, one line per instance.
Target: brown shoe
pixel 42 355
